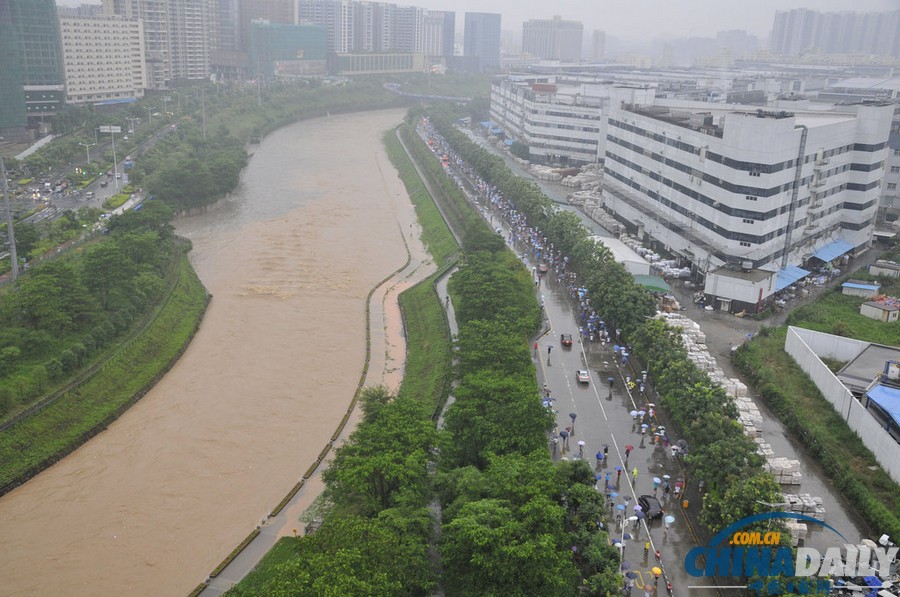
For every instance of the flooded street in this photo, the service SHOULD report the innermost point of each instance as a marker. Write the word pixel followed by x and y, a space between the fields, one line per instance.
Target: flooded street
pixel 151 505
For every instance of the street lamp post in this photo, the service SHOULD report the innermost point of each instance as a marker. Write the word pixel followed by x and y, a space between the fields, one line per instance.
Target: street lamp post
pixel 131 122
pixel 87 147
pixel 150 114
pixel 112 136
pixel 622 538
pixel 10 229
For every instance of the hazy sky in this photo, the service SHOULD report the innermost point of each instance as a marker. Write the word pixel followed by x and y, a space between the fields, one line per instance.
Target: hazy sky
pixel 637 19
pixel 633 19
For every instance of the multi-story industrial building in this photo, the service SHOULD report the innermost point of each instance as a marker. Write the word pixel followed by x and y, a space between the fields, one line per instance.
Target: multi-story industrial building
pixel 726 185
pixel 104 58
pixel 481 40
pixel 553 39
pixel 559 122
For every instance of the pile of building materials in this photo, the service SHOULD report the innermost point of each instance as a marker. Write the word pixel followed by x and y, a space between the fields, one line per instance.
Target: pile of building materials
pixel 785 470
pixel 545 173
pixel 582 197
pixel 804 503
pixel 590 177
pixel 668 268
pixel 798 531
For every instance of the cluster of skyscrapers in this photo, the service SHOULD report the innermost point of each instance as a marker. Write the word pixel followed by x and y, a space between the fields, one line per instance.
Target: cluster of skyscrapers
pixel 803 31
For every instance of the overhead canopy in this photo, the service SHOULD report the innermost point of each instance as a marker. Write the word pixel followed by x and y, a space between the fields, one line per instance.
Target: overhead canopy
pixel 888 399
pixel 860 286
pixel 833 250
pixel 652 283
pixel 788 276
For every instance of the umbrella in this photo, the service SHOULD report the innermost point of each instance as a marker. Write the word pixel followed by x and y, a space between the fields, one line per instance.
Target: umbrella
pixel 620 507
pixel 669 519
pixel 656 571
pixel 633 413
pixel 625 565
pixel 637 508
pixel 598 476
pixel 618 468
pixel 616 541
pixel 641 515
pixel 667 477
pixel 629 447
pixel 573 416
pixel 657 480
pixel 631 575
pixel 651 405
pixel 626 536
pixel 614 495
pixel 644 426
pixel 642 412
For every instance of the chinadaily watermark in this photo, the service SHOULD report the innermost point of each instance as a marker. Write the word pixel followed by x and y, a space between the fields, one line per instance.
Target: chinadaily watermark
pixel 774 568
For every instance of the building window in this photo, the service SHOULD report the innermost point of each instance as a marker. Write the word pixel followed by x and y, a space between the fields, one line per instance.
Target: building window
pixel 745 244
pixel 754 173
pixel 751 198
pixel 748 221
pixel 895 169
pixel 892 186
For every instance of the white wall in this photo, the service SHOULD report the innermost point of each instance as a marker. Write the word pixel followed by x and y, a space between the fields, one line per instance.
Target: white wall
pixel 801 344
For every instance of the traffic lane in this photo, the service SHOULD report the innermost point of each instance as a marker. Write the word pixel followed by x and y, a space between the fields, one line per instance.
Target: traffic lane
pixel 603 418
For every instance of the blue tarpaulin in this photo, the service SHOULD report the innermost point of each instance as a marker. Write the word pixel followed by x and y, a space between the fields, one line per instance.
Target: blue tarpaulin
pixel 833 250
pixel 788 276
pixel 888 399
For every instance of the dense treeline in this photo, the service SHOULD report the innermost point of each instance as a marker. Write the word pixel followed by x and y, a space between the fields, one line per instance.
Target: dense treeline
pixel 721 454
pixel 58 315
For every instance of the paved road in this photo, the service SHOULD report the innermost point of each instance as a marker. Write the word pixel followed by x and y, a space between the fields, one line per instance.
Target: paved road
pixel 603 418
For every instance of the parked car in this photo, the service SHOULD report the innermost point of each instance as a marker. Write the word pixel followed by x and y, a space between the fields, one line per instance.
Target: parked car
pixel 565 339
pixel 582 376
pixel 651 506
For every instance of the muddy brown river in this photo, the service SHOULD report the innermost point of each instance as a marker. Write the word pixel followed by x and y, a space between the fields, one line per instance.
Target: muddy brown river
pixel 151 505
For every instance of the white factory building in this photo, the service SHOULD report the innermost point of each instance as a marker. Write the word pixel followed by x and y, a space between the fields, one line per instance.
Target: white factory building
pixel 560 123
pixel 735 187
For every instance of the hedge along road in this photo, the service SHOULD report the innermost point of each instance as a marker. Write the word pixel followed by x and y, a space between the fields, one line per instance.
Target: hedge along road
pixel 153 504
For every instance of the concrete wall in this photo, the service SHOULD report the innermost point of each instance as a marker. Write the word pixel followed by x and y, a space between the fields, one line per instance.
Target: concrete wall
pixel 802 345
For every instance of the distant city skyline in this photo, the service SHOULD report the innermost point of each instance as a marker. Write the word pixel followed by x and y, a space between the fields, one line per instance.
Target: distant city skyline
pixel 639 20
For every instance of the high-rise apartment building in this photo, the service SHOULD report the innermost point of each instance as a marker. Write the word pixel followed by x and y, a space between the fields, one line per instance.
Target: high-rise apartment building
pixel 803 30
pixel 12 78
pixel 273 11
pixel 366 26
pixel 553 39
pixel 438 33
pixel 178 35
pixel 598 44
pixel 481 40
pixel 104 58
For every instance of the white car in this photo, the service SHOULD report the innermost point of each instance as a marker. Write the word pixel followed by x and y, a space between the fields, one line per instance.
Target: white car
pixel 582 376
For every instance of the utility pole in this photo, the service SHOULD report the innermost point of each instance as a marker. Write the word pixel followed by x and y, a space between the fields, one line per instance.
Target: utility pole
pixel 150 114
pixel 10 229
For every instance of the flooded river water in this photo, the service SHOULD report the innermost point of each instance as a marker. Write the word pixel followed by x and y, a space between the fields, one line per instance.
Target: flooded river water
pixel 151 505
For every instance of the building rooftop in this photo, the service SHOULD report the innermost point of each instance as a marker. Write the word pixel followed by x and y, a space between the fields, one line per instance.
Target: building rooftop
pixel 883 306
pixel 753 275
pixel 868 365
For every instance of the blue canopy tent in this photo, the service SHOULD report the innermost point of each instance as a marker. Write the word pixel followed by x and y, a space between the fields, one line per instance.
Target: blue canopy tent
pixel 887 399
pixel 833 250
pixel 788 276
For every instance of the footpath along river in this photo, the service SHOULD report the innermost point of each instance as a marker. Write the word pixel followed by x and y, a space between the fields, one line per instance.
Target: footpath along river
pixel 151 505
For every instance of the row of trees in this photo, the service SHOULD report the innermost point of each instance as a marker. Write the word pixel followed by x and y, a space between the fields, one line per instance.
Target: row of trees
pixel 721 454
pixel 54 318
pixel 513 522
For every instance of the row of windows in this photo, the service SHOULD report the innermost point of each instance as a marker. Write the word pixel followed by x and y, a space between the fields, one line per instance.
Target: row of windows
pixel 736 188
pixel 753 168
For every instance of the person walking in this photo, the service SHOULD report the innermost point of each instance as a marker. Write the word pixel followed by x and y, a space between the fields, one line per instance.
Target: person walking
pixel 581 448
pixel 634 474
pixel 627 451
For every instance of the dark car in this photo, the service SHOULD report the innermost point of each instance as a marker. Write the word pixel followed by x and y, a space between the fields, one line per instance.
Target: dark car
pixel 651 506
pixel 565 339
